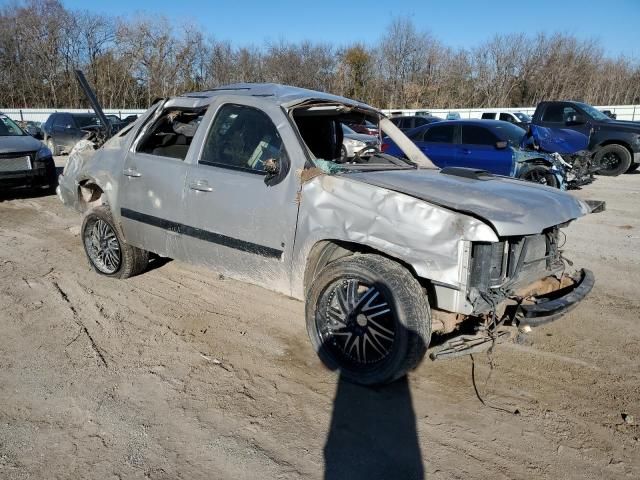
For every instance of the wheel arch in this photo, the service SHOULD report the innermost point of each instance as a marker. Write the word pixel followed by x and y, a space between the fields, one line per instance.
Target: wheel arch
pixel 622 143
pixel 326 251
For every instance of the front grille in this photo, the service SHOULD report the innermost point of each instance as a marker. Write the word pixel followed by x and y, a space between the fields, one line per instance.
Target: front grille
pixel 514 259
pixel 15 162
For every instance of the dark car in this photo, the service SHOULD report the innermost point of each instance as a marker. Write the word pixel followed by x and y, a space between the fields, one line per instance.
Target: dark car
pixel 63 130
pixel 615 143
pixel 490 145
pixel 409 122
pixel 24 161
pixel 32 128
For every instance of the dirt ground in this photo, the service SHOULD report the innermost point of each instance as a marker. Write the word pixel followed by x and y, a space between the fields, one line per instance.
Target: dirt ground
pixel 180 373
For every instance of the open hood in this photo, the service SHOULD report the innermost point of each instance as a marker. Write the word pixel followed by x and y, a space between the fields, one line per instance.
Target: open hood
pixel 512 207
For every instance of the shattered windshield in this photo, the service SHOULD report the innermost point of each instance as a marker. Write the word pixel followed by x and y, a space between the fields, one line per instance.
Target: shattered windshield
pixel 593 112
pixel 332 144
pixel 8 128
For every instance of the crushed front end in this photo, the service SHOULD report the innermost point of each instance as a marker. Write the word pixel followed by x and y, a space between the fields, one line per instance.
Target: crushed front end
pixel 514 284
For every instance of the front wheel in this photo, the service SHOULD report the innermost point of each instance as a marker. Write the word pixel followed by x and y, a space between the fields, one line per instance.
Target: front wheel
pixel 613 160
pixel 539 174
pixel 106 249
pixel 369 318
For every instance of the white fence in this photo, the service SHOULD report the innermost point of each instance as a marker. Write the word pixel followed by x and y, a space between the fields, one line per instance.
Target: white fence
pixel 623 112
pixel 41 114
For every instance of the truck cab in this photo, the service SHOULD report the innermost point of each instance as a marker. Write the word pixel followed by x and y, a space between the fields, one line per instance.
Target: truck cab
pixel 614 143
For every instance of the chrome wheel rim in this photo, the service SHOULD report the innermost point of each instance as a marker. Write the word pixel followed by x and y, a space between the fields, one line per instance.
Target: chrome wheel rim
pixel 356 323
pixel 102 246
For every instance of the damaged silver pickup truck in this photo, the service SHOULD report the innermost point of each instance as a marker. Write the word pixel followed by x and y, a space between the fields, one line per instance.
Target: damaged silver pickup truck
pixel 248 180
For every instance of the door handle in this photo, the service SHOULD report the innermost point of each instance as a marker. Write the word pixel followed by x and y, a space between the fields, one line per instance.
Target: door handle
pixel 131 172
pixel 201 186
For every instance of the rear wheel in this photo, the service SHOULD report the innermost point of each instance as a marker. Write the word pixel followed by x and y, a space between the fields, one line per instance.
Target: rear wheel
pixel 539 174
pixel 613 160
pixel 106 249
pixel 368 317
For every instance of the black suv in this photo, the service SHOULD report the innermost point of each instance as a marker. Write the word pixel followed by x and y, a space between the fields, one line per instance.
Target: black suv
pixel 63 130
pixel 615 143
pixel 24 161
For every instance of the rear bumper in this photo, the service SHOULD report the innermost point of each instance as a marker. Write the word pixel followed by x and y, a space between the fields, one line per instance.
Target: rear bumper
pixel 549 307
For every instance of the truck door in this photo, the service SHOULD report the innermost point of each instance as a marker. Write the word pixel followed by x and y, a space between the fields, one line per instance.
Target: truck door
pixel 237 223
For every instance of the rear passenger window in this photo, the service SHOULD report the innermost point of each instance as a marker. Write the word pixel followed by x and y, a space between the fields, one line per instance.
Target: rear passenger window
pixel 242 138
pixel 474 135
pixel 440 134
pixel 172 133
pixel 553 113
pixel 488 116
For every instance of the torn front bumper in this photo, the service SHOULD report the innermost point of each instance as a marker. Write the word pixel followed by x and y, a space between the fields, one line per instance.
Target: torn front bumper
pixel 544 308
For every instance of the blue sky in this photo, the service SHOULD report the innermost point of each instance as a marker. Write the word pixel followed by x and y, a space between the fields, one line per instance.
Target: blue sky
pixel 457 23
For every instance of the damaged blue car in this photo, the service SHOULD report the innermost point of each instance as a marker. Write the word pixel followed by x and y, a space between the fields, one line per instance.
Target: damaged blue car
pixel 492 145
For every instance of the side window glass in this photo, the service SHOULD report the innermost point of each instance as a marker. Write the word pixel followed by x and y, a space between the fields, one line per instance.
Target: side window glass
pixel 568 113
pixel 473 135
pixel 243 138
pixel 440 134
pixel 172 133
pixel 59 121
pixel 553 113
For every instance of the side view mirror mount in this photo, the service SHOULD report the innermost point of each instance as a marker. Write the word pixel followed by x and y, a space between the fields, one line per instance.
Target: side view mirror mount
pixel 501 145
pixel 576 119
pixel 272 168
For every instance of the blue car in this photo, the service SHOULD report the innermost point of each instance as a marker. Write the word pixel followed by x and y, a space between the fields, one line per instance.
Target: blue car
pixel 491 145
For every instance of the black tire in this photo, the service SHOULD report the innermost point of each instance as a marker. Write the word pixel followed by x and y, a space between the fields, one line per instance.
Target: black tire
pixel 614 160
pixel 633 167
pixel 52 146
pixel 129 261
pixel 541 174
pixel 396 340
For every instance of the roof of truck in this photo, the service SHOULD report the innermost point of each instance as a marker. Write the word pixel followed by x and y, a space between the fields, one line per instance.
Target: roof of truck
pixel 281 94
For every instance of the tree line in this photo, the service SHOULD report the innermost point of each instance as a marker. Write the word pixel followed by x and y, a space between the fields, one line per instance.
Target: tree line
pixel 131 61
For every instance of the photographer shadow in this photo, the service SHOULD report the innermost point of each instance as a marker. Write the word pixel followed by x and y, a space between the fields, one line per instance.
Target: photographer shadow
pixel 373 434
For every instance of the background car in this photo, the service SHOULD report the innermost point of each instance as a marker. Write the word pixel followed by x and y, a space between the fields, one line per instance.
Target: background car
pixel 63 130
pixel 32 128
pixel 24 161
pixel 365 127
pixel 517 118
pixel 409 122
pixel 353 142
pixel 490 145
